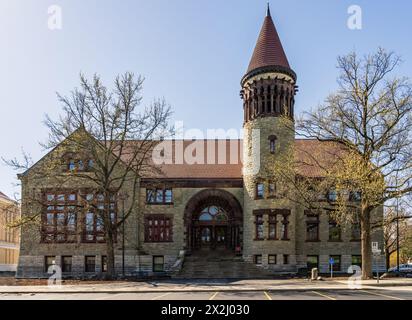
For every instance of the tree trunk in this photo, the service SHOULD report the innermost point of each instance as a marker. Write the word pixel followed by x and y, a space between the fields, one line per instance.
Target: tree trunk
pixel 110 255
pixel 388 258
pixel 366 243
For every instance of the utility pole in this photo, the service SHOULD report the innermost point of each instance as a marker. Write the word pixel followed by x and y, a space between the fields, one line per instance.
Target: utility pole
pixel 123 229
pixel 397 234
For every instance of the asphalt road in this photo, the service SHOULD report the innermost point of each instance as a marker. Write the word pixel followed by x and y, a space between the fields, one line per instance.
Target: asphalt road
pixel 401 294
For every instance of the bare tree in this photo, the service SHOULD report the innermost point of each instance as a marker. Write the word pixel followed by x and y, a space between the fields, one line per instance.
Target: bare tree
pixel 103 140
pixel 365 153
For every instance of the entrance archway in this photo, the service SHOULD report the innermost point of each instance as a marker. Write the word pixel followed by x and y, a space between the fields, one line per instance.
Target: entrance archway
pixel 213 218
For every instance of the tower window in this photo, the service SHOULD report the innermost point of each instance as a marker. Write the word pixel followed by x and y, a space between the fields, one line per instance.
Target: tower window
pixel 260 190
pixel 272 144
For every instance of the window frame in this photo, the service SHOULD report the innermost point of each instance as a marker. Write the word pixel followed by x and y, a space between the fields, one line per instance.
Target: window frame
pixel 153 229
pixel 98 236
pixel 272 223
pixel 259 194
pixel 152 194
pixel 272 144
pixel 46 265
pixel 316 223
pixel 259 223
pixel 86 264
pixel 51 233
pixel 157 264
pixel 64 264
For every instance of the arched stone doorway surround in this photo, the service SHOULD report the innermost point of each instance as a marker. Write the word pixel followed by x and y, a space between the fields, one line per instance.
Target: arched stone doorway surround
pixel 213 218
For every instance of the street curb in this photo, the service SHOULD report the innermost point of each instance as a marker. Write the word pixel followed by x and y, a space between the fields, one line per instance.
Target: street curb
pixel 185 290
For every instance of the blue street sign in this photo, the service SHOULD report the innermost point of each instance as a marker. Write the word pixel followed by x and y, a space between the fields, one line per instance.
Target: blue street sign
pixel 331 261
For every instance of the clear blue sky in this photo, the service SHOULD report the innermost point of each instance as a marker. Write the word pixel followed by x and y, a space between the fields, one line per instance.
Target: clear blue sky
pixel 192 52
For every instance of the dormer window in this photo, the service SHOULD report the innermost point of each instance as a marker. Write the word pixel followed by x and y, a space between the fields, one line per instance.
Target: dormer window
pixel 272 144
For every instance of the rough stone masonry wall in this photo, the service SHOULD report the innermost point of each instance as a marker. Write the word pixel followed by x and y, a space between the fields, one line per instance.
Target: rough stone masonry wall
pixel 256 141
pixel 181 197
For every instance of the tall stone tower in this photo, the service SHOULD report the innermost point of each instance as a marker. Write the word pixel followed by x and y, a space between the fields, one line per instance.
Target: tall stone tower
pixel 268 93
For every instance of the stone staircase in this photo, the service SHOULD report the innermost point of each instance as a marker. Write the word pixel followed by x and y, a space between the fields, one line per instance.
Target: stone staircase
pixel 219 263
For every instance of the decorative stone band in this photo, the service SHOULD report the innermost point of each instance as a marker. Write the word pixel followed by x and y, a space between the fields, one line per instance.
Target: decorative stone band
pixel 268 69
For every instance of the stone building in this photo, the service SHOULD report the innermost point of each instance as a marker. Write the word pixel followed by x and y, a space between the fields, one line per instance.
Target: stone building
pixel 227 218
pixel 9 237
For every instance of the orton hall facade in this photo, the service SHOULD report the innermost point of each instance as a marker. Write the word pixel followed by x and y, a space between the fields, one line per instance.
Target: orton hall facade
pixel 202 220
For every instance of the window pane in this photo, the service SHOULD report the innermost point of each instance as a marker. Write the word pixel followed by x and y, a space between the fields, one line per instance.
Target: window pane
pixel 67 264
pixel 168 196
pixel 90 264
pixel 158 264
pixel 50 197
pixel 90 222
pixel 159 195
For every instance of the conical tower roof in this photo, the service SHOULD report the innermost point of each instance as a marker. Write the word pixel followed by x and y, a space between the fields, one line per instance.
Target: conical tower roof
pixel 269 50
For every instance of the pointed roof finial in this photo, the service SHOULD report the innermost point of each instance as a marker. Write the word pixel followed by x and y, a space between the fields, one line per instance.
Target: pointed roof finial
pixel 268 10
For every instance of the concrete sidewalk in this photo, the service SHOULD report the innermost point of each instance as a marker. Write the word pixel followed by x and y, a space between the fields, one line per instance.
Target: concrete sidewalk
pixel 210 286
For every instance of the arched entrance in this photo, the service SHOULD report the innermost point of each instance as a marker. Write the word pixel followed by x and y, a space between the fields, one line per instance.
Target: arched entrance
pixel 213 219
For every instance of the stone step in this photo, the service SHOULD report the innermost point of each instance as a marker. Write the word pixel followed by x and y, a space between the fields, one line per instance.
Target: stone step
pixel 220 265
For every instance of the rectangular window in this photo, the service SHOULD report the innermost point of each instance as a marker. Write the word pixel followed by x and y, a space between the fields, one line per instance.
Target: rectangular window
pixel 272 189
pixel 259 227
pixel 48 262
pixel 90 264
pixel 94 226
pixel 272 227
pixel 158 263
pixel 59 217
pixel 312 227
pixel 272 259
pixel 260 191
pixel 158 228
pixel 258 259
pixel 159 196
pixel 334 231
pixel 272 145
pixel 357 260
pixel 104 263
pixel 337 263
pixel 285 259
pixel 67 264
pixel 312 262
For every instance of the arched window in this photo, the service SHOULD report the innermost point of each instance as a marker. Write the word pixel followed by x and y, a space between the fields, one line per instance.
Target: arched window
pixel 213 213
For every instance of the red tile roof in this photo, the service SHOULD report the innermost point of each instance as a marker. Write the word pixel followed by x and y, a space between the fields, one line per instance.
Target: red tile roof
pixel 269 50
pixel 311 157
